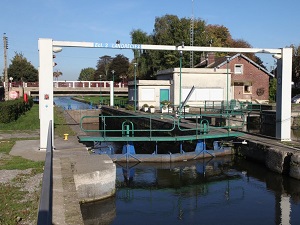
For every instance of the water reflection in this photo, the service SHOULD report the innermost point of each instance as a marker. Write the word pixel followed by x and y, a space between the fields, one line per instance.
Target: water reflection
pixel 219 191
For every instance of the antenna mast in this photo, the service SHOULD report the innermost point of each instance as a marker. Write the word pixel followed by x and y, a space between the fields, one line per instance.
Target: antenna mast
pixel 192 36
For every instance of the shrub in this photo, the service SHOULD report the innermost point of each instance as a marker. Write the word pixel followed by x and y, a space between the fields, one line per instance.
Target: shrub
pixel 11 110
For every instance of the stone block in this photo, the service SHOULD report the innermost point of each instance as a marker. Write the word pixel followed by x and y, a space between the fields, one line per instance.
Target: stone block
pixel 295 166
pixel 94 177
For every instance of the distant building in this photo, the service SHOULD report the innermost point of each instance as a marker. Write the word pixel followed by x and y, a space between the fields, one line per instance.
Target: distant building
pixel 249 81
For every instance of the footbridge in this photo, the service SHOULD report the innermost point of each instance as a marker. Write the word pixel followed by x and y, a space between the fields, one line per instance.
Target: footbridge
pixel 159 128
pixel 71 88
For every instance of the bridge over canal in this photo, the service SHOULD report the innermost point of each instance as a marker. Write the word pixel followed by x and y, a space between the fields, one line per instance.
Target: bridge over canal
pixel 71 88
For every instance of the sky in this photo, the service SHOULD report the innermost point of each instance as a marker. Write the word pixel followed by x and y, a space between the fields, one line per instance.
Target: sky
pixel 262 23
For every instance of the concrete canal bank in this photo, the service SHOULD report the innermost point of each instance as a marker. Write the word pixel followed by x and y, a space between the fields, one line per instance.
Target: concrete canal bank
pixel 280 157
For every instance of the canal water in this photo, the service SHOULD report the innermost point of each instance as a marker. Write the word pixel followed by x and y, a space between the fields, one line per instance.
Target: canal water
pixel 220 191
pixel 68 103
pixel 213 191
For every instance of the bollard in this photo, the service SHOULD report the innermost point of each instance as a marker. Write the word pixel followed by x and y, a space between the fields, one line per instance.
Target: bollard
pixel 66 137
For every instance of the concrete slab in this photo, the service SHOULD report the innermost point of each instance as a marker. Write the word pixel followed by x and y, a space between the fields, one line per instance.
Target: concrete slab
pixel 94 177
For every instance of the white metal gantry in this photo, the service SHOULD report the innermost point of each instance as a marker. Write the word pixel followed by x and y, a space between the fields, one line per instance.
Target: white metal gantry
pixel 48 46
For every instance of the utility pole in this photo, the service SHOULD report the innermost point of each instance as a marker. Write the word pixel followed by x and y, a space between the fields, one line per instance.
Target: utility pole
pixel 5 67
pixel 192 36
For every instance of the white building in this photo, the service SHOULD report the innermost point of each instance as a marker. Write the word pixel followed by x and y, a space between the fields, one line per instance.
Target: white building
pixel 209 85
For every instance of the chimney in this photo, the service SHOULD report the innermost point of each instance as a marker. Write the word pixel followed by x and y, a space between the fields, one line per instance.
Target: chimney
pixel 210 58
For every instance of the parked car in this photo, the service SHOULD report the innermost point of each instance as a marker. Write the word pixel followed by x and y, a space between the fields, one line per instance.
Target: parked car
pixel 296 99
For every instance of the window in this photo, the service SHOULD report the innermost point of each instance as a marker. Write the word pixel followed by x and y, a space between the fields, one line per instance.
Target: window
pixel 247 89
pixel 238 69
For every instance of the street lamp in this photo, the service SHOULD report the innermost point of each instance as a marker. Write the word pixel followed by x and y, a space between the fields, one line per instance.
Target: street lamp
pixel 100 90
pixel 135 64
pixel 180 65
pixel 227 82
pixel 11 79
pixel 113 87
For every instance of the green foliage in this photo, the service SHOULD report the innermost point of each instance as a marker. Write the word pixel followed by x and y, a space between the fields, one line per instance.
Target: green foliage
pixel 13 109
pixel 22 70
pixel 272 89
pixel 296 64
pixel 171 30
pixel 102 67
pixel 87 74
pixel 120 64
pixel 165 102
pixel 57 74
pixel 28 121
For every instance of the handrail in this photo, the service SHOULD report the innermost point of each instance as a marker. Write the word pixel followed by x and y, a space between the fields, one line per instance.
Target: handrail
pixel 46 199
pixel 173 122
pixel 128 118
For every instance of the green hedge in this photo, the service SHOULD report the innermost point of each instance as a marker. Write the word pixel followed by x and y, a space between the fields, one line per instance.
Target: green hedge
pixel 11 110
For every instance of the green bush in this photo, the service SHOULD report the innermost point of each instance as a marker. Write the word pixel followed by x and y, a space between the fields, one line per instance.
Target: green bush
pixel 11 110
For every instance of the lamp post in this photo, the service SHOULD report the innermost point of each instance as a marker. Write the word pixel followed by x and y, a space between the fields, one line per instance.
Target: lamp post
pixel 113 88
pixel 135 64
pixel 227 82
pixel 10 79
pixel 180 65
pixel 100 90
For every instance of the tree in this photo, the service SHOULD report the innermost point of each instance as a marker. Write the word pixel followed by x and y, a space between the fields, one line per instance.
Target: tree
pixel 57 74
pixel 22 70
pixel 87 74
pixel 171 30
pixel 296 64
pixel 120 65
pixel 272 89
pixel 102 67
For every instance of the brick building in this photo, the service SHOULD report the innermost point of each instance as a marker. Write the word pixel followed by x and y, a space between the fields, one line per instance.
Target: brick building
pixel 249 81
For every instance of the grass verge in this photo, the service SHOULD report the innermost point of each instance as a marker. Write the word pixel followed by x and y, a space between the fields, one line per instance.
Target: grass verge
pixel 18 205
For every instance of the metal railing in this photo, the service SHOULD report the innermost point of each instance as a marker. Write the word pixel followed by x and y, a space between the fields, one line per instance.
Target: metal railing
pixel 46 198
pixel 145 125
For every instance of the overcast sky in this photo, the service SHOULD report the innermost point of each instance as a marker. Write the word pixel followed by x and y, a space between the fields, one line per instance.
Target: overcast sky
pixel 262 23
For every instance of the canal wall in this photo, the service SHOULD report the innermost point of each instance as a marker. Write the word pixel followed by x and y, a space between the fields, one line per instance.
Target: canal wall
pixel 278 158
pixel 78 114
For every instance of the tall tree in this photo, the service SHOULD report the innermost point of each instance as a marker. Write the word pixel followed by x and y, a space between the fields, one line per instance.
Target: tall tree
pixel 171 30
pixel 87 74
pixel 22 70
pixel 102 67
pixel 120 65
